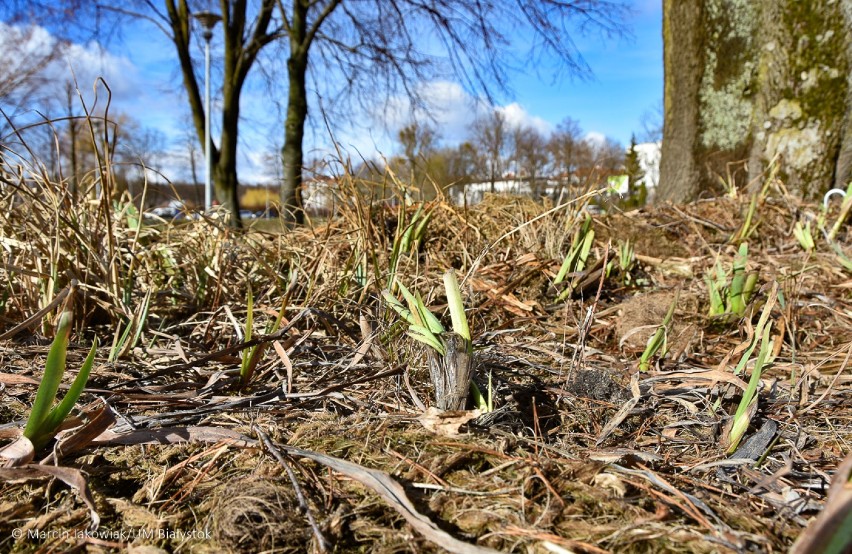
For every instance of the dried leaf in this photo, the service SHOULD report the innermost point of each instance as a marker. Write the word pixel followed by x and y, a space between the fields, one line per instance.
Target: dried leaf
pixel 393 493
pixel 446 423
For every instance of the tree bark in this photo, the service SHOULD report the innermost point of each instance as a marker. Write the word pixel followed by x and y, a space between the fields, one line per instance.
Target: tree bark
pixel 748 84
pixel 682 59
pixel 292 154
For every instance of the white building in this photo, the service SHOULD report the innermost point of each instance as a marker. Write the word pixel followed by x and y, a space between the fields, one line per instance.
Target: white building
pixel 649 163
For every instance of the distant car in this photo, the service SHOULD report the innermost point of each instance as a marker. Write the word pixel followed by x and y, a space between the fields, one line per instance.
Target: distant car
pixel 247 214
pixel 166 212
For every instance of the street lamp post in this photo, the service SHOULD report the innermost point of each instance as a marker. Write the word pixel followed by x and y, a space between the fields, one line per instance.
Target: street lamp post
pixel 208 20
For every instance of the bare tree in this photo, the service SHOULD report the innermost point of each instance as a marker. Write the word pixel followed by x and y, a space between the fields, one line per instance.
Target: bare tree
pixel 362 51
pixel 376 46
pixel 418 140
pixel 28 51
pixel 531 156
pixel 599 159
pixel 248 27
pixel 567 148
pixel 490 133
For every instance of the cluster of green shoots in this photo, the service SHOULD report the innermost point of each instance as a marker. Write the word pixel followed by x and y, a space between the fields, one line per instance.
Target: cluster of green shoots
pixel 45 418
pixel 425 328
pixel 575 260
pixel 624 262
pixel 730 295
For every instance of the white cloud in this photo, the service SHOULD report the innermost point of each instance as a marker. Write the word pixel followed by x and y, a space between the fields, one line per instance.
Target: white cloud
pixel 67 63
pixel 88 62
pixel 446 105
pixel 517 116
pixel 450 109
pixel 595 138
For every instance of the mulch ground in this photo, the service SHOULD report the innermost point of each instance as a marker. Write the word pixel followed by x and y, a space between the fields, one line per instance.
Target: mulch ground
pixel 331 447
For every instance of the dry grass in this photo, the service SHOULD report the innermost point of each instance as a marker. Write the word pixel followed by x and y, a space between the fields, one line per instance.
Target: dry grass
pixel 340 378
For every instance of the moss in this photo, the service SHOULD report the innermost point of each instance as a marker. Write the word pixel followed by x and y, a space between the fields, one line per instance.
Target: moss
pixel 808 110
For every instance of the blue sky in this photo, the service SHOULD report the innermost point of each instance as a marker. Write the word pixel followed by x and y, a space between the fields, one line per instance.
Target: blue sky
pixel 627 82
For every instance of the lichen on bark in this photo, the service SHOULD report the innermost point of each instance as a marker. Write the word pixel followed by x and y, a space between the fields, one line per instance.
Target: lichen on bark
pixel 728 74
pixel 773 83
pixel 805 105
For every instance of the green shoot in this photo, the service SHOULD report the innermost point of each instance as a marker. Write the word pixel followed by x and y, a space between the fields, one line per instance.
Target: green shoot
pixel 575 260
pixel 742 417
pixel 842 257
pixel 731 299
pixel 246 365
pixel 626 260
pixel 454 301
pixel 482 404
pixel 253 355
pixel 658 339
pixel 123 343
pixel 804 235
pixel 45 420
pixel 407 238
pixel 447 352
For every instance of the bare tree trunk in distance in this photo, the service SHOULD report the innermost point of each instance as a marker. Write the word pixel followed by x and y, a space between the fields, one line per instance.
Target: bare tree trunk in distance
pixel 244 38
pixel 292 154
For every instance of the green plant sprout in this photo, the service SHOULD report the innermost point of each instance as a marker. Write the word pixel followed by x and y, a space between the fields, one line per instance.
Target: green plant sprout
pixel 578 255
pixel 804 235
pixel 450 350
pixel 626 261
pixel 123 342
pixel 842 257
pixel 748 402
pixel 246 367
pixel 45 420
pixel 659 338
pixel 251 356
pixel 407 238
pixel 731 299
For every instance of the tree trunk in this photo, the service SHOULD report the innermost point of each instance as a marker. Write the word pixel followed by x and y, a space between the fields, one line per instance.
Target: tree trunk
pixel 292 155
pixel 747 83
pixel 225 181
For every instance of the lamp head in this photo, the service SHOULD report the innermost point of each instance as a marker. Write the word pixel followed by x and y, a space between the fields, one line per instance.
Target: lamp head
pixel 208 20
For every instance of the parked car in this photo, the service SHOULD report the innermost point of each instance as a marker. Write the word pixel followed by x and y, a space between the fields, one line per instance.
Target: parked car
pixel 165 212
